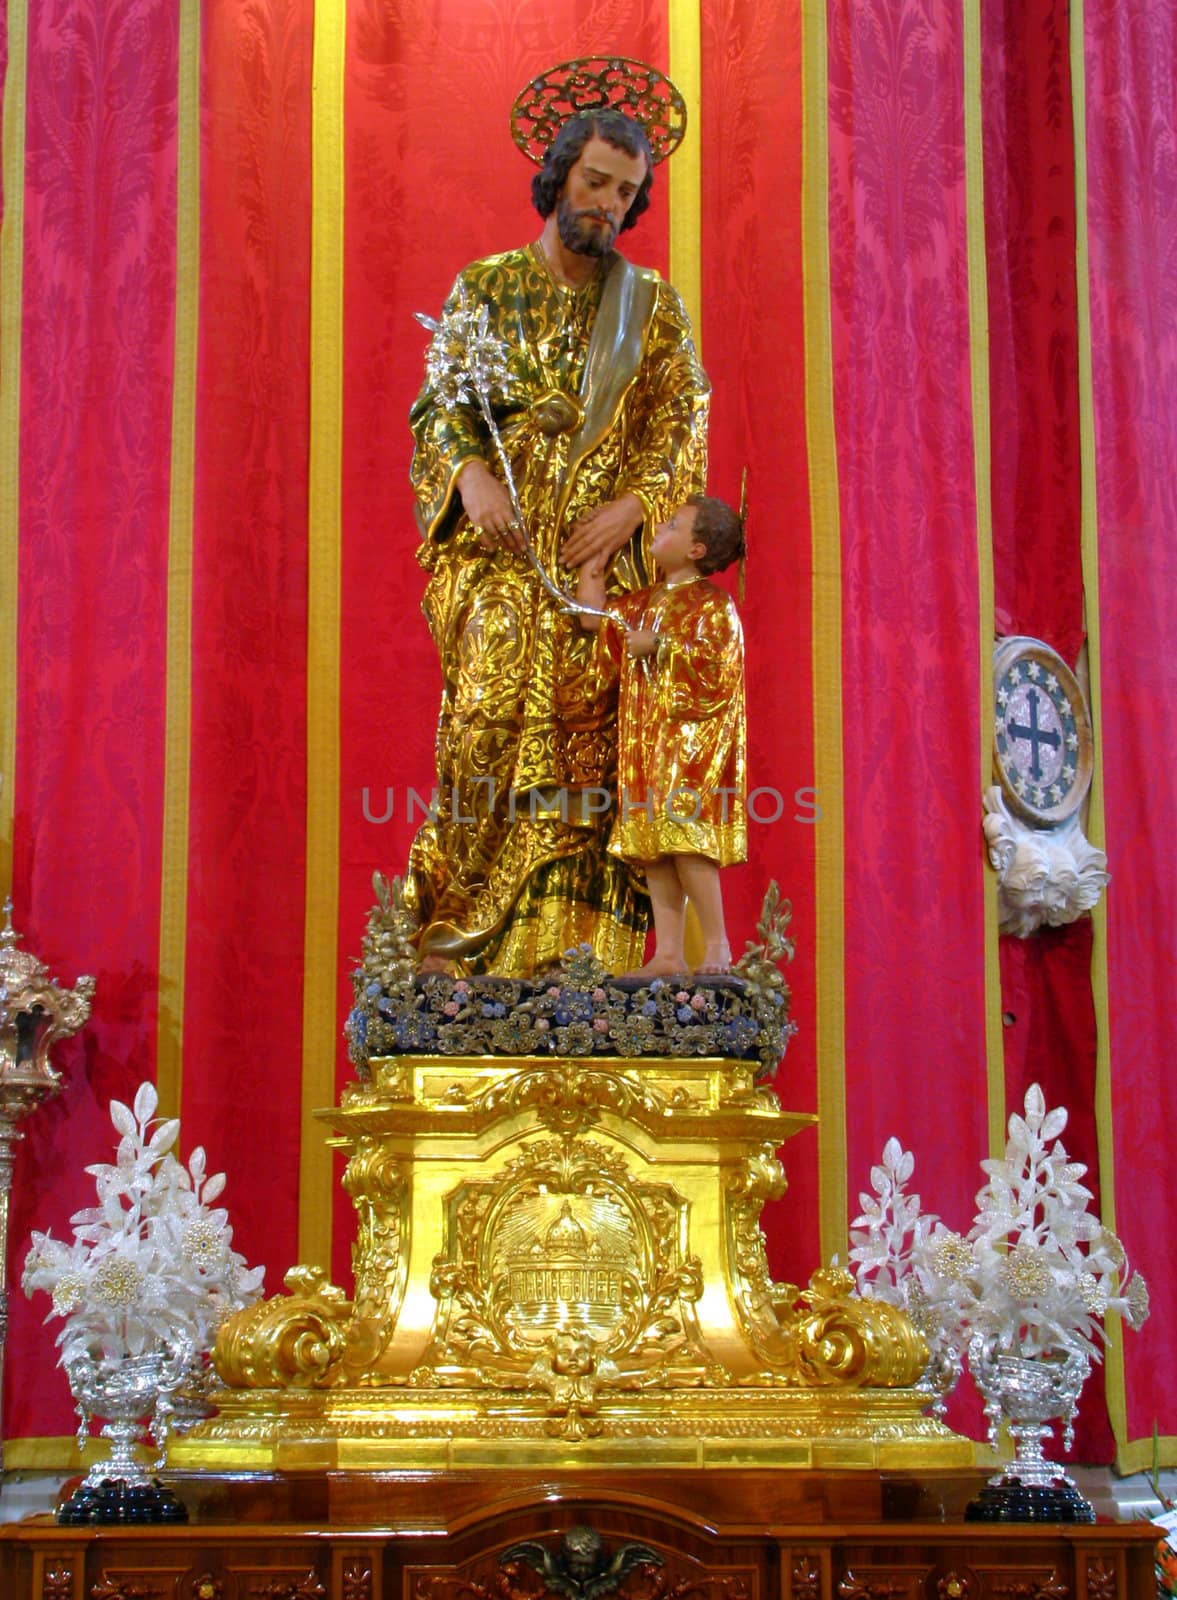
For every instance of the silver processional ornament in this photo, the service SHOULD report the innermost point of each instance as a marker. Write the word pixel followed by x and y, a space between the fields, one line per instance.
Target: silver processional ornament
pixel 35 1013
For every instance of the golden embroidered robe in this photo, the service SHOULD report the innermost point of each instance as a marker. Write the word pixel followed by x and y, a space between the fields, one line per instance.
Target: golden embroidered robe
pixel 681 762
pixel 605 395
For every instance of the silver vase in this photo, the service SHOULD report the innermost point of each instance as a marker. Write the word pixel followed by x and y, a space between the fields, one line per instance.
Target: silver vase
pixel 1029 1393
pixel 942 1373
pixel 132 1395
pixel 189 1402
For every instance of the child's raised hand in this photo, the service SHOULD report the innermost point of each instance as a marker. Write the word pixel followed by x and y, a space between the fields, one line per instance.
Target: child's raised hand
pixel 641 642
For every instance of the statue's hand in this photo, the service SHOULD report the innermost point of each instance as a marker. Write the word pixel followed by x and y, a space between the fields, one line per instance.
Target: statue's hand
pixel 488 505
pixel 601 533
pixel 590 587
pixel 641 642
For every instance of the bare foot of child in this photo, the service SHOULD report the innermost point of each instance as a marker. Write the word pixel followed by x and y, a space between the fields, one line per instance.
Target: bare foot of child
pixel 438 964
pixel 660 967
pixel 717 959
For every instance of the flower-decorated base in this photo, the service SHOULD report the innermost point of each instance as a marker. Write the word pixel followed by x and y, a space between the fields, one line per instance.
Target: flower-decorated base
pixel 116 1500
pixel 1008 1499
pixel 579 1009
pixel 581 1014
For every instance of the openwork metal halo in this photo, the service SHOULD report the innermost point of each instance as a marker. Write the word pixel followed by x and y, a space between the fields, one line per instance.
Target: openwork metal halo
pixel 599 83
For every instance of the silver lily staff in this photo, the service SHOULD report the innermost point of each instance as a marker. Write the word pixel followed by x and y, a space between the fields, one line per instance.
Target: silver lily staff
pixel 465 362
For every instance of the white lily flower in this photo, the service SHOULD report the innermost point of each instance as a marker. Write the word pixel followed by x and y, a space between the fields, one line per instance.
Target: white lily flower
pixel 153 1260
pixel 1037 1273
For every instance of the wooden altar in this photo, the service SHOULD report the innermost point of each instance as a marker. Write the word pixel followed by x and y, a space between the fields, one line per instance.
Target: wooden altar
pixel 685 1535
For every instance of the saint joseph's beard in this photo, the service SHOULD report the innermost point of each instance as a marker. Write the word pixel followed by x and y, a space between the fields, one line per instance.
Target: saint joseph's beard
pixel 579 235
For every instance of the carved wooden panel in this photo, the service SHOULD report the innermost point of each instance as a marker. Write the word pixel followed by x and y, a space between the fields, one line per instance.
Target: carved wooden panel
pixel 1008 1583
pixel 357 1578
pixel 1104 1577
pixel 134 1583
pixel 957 1583
pixel 60 1578
pixel 478 1581
pixel 803 1575
pixel 108 1588
pixel 519 1549
pixel 582 1563
pixel 269 1584
pixel 879 1583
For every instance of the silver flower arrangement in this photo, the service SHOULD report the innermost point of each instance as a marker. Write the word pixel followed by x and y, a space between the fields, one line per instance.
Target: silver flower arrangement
pixel 150 1273
pixel 1035 1275
pixel 466 362
pixel 911 1260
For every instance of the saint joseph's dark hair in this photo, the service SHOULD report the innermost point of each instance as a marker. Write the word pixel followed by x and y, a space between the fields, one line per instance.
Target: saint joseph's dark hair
pixel 564 151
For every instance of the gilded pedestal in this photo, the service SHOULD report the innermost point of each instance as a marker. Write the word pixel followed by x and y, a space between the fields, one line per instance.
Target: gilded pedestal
pixel 560 1261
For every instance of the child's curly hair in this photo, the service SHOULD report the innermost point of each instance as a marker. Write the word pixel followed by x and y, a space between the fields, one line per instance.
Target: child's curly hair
pixel 719 528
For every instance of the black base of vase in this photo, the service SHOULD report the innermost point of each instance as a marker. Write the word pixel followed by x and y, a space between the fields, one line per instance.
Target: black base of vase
pixel 1011 1500
pixel 115 1500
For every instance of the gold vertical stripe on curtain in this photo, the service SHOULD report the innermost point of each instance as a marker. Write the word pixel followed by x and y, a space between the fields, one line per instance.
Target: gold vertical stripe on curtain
pixel 982 467
pixel 685 169
pixel 320 1023
pixel 12 232
pixel 685 192
pixel 173 913
pixel 1096 830
pixel 825 522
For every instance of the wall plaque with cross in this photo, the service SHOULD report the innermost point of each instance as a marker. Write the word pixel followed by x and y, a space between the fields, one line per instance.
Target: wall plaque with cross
pixel 1042 732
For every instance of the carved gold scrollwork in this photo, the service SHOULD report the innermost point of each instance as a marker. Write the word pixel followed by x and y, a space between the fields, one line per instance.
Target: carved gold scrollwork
pixel 567 1099
pixel 379 1188
pixel 394 1081
pixel 825 1336
pixel 761 1177
pixel 851 1342
pixel 565 1274
pixel 290 1341
pixel 556 1251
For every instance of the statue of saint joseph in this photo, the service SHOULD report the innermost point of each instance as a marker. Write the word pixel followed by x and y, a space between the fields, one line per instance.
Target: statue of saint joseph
pixel 604 422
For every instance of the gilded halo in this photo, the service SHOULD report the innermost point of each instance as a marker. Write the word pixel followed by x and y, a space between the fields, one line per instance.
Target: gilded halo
pixel 599 83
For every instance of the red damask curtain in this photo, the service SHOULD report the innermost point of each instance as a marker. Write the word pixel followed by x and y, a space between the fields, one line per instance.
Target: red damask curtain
pixel 168 174
pixel 1129 134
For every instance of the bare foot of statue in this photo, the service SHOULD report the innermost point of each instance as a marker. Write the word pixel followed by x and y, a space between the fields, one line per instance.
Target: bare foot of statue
pixel 717 960
pixel 437 964
pixel 661 967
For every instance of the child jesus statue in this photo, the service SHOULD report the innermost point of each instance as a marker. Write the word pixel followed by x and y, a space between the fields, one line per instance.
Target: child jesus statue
pixel 680 727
